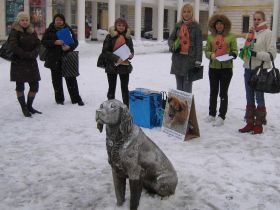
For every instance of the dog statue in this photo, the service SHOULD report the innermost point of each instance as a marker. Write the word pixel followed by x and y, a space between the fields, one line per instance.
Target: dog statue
pixel 133 155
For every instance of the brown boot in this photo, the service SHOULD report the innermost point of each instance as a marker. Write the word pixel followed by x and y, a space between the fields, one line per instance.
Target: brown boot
pixel 260 120
pixel 249 117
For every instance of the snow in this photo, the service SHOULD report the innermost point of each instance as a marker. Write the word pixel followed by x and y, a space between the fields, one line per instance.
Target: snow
pixel 58 160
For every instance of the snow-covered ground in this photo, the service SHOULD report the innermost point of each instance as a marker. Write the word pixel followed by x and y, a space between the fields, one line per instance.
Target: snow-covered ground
pixel 58 160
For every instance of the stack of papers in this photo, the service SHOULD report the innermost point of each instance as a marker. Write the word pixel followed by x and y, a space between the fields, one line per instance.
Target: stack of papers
pixel 123 52
pixel 225 57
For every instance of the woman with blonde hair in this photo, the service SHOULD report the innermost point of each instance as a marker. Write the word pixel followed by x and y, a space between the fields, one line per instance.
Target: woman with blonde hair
pixel 185 43
pixel 258 47
pixel 24 67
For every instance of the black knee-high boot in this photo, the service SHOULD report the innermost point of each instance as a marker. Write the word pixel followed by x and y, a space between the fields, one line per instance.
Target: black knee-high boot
pixel 25 111
pixel 30 100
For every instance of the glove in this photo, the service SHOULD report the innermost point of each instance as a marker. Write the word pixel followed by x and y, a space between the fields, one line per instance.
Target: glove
pixel 253 53
pixel 233 55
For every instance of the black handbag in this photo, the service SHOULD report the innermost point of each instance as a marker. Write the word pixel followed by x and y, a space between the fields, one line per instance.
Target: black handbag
pixel 196 73
pixel 70 64
pixel 6 51
pixel 267 81
pixel 42 53
pixel 102 61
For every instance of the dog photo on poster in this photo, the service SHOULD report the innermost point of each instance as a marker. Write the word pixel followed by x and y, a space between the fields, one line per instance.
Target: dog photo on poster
pixel 179 118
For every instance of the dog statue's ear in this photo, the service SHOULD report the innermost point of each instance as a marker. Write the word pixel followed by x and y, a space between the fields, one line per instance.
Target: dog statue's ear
pixel 100 127
pixel 126 121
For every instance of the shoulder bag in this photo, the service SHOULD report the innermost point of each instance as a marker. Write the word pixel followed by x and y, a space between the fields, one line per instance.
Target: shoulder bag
pixel 264 80
pixel 6 50
pixel 70 64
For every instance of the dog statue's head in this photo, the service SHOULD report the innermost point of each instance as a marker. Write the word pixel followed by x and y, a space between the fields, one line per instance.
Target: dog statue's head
pixel 114 113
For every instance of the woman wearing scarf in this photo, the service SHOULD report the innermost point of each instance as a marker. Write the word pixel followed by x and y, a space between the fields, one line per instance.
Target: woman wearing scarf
pixel 220 42
pixel 55 49
pixel 24 67
pixel 259 43
pixel 118 35
pixel 185 43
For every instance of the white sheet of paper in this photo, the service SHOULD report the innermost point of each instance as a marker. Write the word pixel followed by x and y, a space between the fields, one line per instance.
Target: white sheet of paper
pixel 225 57
pixel 123 52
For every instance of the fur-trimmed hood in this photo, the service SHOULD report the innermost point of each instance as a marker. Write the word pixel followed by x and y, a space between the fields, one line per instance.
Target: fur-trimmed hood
pixel 222 18
pixel 17 27
pixel 113 32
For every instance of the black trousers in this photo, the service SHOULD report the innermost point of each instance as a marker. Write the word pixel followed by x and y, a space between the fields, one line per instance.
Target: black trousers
pixel 71 83
pixel 112 81
pixel 219 82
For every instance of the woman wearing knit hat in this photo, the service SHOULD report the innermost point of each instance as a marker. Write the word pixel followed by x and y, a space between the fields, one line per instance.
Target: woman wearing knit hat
pixel 119 35
pixel 220 42
pixel 24 67
pixel 55 50
pixel 185 43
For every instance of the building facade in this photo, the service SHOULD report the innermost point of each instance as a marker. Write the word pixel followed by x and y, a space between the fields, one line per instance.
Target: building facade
pixel 141 15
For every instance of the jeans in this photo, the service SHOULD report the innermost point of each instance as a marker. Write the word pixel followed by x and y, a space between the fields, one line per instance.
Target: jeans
pixel 219 82
pixel 183 84
pixel 251 95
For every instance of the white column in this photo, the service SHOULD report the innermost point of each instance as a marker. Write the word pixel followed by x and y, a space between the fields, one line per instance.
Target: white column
pixel 81 19
pixel 26 6
pixel 179 7
pixel 137 28
pixel 155 23
pixel 275 19
pixel 171 19
pixel 93 20
pixel 111 12
pixel 67 9
pixel 49 13
pixel 196 10
pixel 3 20
pixel 118 11
pixel 211 7
pixel 160 19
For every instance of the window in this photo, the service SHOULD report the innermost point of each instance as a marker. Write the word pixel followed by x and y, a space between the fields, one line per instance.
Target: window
pixel 245 27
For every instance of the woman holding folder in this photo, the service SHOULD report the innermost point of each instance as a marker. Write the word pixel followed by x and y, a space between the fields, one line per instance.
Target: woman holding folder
pixel 118 50
pixel 56 47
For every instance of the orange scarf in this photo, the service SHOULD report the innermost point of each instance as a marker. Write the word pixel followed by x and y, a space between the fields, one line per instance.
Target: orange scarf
pixel 219 45
pixel 119 42
pixel 184 37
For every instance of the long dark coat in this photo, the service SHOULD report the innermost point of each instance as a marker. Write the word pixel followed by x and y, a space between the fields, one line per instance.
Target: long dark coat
pixel 182 64
pixel 55 52
pixel 25 46
pixel 111 58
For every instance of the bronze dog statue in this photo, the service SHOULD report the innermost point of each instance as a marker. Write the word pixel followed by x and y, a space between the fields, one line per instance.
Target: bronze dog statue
pixel 133 155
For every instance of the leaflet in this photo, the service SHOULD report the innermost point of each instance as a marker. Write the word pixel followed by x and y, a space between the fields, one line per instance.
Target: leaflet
pixel 225 57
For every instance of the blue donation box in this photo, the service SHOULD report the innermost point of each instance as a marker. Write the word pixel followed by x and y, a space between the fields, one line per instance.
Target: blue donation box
pixel 146 107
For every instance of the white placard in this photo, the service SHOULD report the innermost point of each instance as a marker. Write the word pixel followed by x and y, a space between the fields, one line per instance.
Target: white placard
pixel 225 57
pixel 123 52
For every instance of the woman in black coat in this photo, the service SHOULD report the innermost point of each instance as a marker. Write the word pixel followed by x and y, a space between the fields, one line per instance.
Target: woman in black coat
pixel 24 67
pixel 118 35
pixel 55 49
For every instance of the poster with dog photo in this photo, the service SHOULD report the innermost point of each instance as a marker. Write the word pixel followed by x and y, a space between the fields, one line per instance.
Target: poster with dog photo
pixel 179 118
